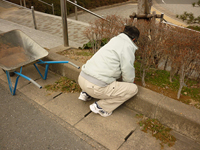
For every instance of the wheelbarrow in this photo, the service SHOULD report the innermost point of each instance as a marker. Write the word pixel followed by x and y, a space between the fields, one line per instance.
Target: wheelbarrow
pixel 18 50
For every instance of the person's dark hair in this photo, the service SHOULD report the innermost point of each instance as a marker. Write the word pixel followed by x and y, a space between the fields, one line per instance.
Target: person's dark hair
pixel 132 32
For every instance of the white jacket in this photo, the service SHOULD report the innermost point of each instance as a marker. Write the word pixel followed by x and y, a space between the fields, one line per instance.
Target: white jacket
pixel 113 60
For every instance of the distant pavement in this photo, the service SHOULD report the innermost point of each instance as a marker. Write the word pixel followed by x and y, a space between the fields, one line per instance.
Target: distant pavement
pixel 171 8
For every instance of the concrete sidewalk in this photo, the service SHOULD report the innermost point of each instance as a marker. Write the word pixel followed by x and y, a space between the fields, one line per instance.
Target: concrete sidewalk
pixel 120 130
pixel 46 23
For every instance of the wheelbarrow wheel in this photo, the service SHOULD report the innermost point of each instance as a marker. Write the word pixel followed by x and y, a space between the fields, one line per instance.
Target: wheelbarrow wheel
pixel 11 73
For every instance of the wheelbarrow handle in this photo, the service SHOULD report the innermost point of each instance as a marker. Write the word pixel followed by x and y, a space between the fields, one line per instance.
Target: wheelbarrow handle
pixel 29 79
pixel 47 66
pixel 74 65
pixel 35 83
pixel 57 62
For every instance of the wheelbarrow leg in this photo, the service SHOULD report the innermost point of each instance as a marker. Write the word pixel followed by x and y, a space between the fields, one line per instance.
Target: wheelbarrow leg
pixel 46 71
pixel 12 90
pixel 16 82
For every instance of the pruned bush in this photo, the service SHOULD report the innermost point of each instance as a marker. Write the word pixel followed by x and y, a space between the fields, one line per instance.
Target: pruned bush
pixel 150 45
pixel 179 46
pixel 183 51
pixel 101 31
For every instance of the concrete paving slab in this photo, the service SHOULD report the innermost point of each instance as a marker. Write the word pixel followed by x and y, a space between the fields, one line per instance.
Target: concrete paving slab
pixel 41 96
pixel 140 140
pixel 110 131
pixel 68 107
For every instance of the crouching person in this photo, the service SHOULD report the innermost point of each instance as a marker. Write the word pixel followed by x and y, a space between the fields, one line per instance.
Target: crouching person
pixel 98 77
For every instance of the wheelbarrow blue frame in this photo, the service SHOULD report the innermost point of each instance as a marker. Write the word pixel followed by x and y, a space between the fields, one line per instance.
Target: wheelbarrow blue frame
pixel 47 63
pixel 14 44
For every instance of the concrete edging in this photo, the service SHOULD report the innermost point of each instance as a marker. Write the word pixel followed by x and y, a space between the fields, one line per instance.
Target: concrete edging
pixel 176 115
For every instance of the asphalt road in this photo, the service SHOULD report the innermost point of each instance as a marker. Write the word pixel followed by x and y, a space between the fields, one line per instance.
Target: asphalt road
pixel 25 127
pixel 178 7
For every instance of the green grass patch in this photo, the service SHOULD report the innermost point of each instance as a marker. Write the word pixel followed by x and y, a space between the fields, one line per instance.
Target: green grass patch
pixel 160 78
pixel 64 84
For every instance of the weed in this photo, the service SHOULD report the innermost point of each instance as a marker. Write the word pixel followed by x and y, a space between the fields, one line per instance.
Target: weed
pixel 139 116
pixel 157 130
pixel 64 85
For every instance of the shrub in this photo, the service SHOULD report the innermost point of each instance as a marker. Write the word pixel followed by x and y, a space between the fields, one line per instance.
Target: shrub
pixel 150 45
pixel 189 17
pixel 183 51
pixel 101 31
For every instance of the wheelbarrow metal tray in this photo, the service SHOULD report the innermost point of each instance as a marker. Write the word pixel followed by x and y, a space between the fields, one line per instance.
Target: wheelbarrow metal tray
pixel 17 49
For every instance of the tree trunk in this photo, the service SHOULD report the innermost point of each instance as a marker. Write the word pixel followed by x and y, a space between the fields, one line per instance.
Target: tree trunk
pixel 143 77
pixel 144 6
pixel 181 80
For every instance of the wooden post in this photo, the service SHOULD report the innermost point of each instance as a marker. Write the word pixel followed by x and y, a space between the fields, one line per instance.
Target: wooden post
pixel 154 16
pixel 162 17
pixel 144 9
pixel 144 12
pixel 144 6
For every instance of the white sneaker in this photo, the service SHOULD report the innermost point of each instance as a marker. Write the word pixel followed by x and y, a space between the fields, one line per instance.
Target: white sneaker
pixel 96 109
pixel 84 96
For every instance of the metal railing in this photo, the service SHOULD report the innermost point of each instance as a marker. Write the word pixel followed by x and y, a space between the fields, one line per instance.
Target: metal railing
pixel 17 4
pixel 75 4
pixel 48 5
pixel 64 17
pixel 63 14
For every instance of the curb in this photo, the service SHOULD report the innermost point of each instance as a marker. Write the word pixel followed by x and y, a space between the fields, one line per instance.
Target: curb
pixel 174 114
